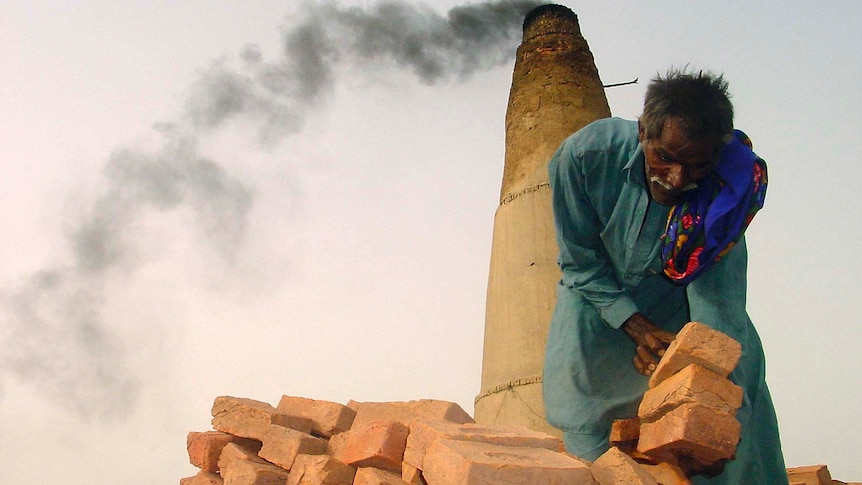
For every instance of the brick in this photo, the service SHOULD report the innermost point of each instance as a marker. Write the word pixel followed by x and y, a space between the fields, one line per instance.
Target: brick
pixel 376 476
pixel 697 343
pixel 205 447
pixel 615 467
pixel 327 418
pixel 810 475
pixel 320 470
pixel 666 474
pixel 406 411
pixel 249 418
pixel 203 477
pixel 691 431
pixel 624 434
pixel 380 444
pixel 423 432
pixel 282 445
pixel 410 474
pixel 472 463
pixel 693 384
pixel 240 466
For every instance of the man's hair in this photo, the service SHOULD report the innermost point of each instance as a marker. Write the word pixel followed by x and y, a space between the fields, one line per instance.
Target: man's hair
pixel 699 101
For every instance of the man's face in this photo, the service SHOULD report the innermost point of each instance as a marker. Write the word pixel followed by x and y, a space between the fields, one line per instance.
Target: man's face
pixel 675 163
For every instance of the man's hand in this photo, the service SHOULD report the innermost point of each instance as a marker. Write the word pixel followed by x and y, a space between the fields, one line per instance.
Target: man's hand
pixel 650 339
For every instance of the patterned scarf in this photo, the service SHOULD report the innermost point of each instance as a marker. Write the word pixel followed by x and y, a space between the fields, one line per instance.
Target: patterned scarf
pixel 711 219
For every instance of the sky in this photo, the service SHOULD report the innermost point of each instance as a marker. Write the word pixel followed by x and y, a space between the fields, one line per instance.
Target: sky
pixel 267 198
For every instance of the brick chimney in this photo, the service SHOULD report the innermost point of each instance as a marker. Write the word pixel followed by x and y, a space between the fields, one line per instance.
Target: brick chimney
pixel 555 91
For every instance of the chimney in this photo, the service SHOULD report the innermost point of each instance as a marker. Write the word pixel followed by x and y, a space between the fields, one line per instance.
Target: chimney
pixel 555 91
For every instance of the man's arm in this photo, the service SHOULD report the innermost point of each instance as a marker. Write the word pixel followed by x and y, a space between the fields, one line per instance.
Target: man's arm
pixel 582 258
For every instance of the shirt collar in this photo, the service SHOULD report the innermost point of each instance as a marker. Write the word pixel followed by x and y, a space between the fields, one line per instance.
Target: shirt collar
pixel 634 169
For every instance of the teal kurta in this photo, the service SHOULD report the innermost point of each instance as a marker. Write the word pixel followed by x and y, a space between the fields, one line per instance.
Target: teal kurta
pixel 608 232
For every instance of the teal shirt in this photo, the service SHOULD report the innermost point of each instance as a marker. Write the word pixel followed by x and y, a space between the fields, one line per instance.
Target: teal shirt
pixel 608 232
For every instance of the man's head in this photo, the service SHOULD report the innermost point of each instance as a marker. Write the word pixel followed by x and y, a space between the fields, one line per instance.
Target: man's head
pixel 685 119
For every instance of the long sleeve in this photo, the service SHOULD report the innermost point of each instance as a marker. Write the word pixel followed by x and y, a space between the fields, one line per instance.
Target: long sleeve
pixel 583 260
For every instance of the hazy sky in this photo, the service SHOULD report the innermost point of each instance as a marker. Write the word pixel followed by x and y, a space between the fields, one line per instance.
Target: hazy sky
pixel 267 198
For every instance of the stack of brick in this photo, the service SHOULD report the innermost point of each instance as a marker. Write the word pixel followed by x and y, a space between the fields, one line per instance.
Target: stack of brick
pixel 688 415
pixel 309 442
pixel 686 421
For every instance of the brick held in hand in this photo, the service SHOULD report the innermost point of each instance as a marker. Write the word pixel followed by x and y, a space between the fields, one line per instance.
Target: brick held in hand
pixel 697 343
pixel 693 384
pixel 691 431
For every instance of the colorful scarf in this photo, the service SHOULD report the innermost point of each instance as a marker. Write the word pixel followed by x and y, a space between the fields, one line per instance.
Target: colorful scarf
pixel 711 219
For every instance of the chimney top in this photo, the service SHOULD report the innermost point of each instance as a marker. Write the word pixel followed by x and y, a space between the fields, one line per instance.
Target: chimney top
pixel 550 19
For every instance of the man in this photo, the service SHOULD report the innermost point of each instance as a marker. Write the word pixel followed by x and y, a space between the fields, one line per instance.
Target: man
pixel 632 276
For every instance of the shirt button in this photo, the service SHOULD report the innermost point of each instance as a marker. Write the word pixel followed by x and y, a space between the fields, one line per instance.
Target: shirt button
pixel 628 276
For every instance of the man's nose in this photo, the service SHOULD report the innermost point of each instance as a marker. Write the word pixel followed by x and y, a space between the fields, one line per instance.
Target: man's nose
pixel 678 177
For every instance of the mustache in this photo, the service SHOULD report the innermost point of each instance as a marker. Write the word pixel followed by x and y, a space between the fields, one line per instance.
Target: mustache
pixel 665 185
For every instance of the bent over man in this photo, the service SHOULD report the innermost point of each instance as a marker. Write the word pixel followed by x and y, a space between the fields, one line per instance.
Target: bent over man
pixel 649 217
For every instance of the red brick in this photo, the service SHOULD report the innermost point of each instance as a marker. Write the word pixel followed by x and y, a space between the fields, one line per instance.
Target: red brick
pixel 411 474
pixel 249 418
pixel 205 447
pixel 282 445
pixel 615 467
pixel 203 477
pixel 691 431
pixel 624 434
pixel 472 463
pixel 667 474
pixel 406 411
pixel 240 466
pixel 320 470
pixel 376 476
pixel 810 475
pixel 380 444
pixel 328 418
pixel 693 384
pixel 697 343
pixel 423 432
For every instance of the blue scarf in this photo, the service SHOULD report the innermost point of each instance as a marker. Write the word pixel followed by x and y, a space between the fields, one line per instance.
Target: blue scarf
pixel 712 218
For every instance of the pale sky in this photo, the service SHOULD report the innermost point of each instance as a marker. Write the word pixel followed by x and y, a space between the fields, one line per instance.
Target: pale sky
pixel 333 241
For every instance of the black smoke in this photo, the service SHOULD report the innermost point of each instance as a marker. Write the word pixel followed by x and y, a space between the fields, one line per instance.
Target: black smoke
pixel 54 336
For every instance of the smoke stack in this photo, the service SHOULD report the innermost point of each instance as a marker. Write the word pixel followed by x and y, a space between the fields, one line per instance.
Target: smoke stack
pixel 555 91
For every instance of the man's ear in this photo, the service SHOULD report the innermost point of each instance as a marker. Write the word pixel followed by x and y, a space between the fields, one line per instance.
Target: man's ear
pixel 640 131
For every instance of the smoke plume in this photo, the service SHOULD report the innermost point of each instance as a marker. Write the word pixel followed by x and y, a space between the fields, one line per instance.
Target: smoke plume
pixel 54 336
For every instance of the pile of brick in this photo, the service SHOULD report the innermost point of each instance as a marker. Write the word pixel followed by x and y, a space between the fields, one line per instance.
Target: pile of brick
pixel 686 425
pixel 428 442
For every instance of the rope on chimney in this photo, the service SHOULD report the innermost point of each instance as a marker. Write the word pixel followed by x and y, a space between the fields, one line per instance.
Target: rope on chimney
pixel 532 188
pixel 522 381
